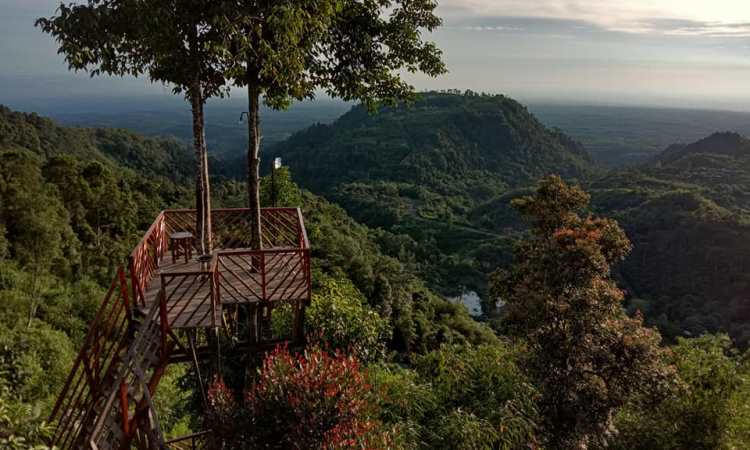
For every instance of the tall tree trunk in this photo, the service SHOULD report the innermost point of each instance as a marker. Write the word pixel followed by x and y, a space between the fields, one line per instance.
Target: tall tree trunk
pixel 202 186
pixel 253 163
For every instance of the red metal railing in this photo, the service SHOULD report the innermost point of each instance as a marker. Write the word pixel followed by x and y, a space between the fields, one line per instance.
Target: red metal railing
pixel 145 258
pixel 280 228
pixel 248 276
pixel 106 339
pixel 188 300
pixel 195 441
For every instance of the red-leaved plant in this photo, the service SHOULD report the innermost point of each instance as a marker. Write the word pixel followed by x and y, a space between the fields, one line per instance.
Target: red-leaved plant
pixel 311 400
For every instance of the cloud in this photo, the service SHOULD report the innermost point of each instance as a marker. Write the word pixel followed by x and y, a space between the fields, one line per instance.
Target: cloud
pixel 720 18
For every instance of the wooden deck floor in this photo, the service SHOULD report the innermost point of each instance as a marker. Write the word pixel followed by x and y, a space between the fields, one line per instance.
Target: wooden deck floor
pixel 195 313
pixel 189 303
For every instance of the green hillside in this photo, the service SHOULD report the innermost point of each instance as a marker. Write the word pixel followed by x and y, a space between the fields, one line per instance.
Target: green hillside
pixel 169 158
pixel 73 202
pixel 444 172
pixel 420 170
pixel 687 214
pixel 450 143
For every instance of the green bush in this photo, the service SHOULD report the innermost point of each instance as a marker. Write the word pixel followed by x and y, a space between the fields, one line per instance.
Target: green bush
pixel 709 409
pixel 341 319
pixel 459 397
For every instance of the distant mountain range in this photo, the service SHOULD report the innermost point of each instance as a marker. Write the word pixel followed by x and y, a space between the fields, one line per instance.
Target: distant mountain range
pixel 727 143
pixel 619 136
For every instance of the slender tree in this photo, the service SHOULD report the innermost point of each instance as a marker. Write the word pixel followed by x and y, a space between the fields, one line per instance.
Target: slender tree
pixel 172 41
pixel 286 50
pixel 586 356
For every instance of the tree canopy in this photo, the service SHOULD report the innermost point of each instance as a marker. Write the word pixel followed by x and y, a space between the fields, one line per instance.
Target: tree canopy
pixel 172 42
pixel 586 356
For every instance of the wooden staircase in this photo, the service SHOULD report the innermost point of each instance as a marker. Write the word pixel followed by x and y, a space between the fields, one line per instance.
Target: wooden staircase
pixel 126 413
pixel 106 403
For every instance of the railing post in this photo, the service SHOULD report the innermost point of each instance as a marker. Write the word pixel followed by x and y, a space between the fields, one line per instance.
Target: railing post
pixel 308 274
pixel 163 319
pixel 124 293
pixel 133 278
pixel 125 409
pixel 162 236
pixel 263 275
pixel 214 294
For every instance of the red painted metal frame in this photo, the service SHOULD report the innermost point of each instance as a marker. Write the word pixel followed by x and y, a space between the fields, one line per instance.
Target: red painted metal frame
pixel 145 258
pixel 280 228
pixel 193 441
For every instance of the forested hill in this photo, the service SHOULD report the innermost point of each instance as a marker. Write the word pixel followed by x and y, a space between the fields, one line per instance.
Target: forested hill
pixel 728 144
pixel 445 171
pixel 688 216
pixel 115 147
pixel 448 142
pixel 420 170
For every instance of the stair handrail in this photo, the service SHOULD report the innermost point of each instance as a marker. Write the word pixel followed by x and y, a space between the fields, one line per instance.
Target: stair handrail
pixel 118 284
pixel 193 438
pixel 134 351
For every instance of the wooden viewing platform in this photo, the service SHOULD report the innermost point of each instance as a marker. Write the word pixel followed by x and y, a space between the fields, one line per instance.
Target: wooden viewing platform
pixel 106 402
pixel 194 295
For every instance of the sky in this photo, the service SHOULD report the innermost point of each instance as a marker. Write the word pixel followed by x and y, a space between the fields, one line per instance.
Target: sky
pixel 685 53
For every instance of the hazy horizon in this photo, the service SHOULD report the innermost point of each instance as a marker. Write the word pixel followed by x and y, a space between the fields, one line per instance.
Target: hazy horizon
pixel 655 53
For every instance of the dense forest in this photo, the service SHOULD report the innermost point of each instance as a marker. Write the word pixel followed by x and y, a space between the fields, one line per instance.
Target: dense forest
pixel 74 201
pixel 437 179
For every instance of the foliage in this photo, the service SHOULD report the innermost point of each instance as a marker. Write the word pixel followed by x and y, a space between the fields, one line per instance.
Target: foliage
pixel 173 42
pixel 21 427
pixel 348 49
pixel 340 318
pixel 285 190
pixel 70 211
pixel 459 397
pixel 36 361
pixel 378 265
pixel 152 158
pixel 708 411
pixel 586 357
pixel 34 219
pixel 481 387
pixel 305 401
pixel 444 171
pixel 579 361
pixel 173 401
pixel 447 144
pixel 687 216
pixel 420 319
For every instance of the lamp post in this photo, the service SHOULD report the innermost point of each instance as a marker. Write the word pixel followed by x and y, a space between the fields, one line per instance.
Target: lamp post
pixel 276 165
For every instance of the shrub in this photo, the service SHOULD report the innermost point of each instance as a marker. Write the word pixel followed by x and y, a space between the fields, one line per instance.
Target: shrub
pixel 300 401
pixel 340 319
